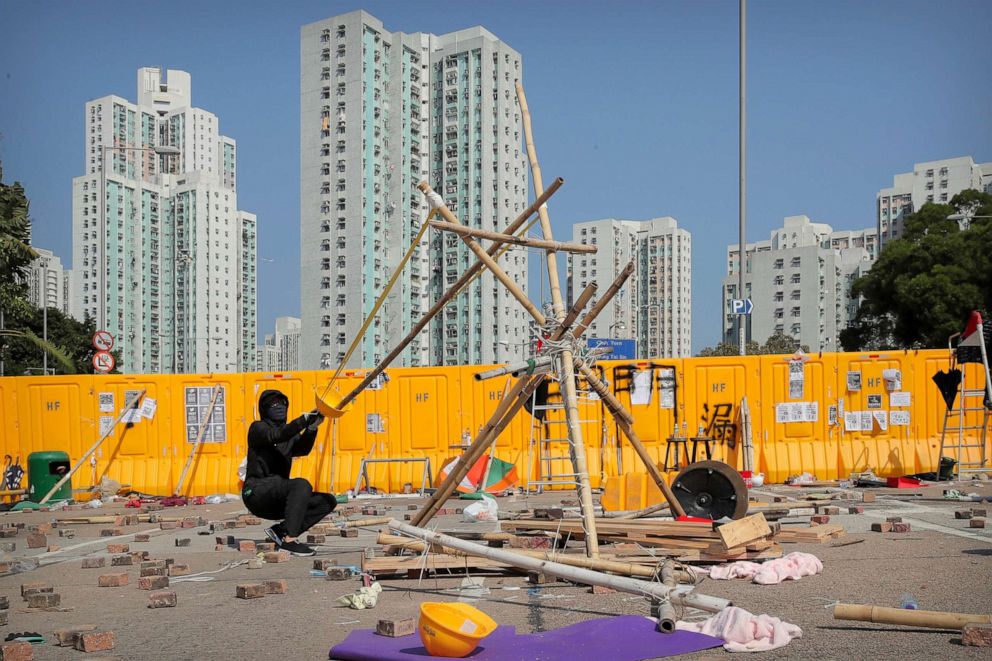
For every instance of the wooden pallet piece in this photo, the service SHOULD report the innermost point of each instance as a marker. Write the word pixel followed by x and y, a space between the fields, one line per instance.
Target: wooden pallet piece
pixel 740 532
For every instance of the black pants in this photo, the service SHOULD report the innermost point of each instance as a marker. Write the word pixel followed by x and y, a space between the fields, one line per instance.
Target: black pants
pixel 293 500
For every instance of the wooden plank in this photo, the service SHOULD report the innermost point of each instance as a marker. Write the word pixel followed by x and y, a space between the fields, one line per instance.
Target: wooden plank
pixel 434 561
pixel 742 531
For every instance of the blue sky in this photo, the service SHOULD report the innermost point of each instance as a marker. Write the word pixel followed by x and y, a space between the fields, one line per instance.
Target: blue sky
pixel 634 104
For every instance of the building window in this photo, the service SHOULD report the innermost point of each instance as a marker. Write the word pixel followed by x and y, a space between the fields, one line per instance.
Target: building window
pixel 796 262
pixel 779 263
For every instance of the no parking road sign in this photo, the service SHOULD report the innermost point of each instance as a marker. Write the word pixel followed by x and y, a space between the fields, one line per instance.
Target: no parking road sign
pixel 103 341
pixel 103 362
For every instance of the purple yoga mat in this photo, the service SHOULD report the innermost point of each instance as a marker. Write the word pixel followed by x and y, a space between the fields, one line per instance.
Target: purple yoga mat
pixel 623 638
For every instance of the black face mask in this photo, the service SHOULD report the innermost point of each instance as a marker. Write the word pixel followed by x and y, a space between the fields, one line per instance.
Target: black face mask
pixel 277 412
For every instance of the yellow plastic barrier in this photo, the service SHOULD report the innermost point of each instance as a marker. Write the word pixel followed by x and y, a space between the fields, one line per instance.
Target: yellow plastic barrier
pixel 829 415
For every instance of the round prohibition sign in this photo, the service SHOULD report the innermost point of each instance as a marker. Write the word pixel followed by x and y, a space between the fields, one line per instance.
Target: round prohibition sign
pixel 103 341
pixel 103 362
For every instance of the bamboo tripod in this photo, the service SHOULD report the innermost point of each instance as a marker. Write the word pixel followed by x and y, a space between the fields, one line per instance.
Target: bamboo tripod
pixel 558 329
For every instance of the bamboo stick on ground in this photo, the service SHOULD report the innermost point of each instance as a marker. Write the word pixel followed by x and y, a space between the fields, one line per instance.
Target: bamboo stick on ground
pixel 912 618
pixel 583 248
pixel 652 590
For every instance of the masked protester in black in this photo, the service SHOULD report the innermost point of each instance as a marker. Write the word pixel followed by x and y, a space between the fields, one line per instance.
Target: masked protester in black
pixel 268 491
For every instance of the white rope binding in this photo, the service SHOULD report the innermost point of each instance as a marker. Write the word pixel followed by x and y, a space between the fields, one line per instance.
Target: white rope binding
pixel 435 200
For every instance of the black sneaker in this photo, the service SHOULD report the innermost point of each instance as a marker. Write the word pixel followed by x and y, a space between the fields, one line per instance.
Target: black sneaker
pixel 296 548
pixel 276 533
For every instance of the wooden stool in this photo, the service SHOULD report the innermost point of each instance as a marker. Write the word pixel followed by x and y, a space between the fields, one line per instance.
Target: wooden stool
pixel 706 441
pixel 674 443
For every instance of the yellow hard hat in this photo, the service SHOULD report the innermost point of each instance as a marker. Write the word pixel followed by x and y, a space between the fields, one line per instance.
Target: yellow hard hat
pixel 453 629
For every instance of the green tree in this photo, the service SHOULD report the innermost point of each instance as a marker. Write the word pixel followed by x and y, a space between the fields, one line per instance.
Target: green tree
pixel 778 342
pixel 15 245
pixel 728 349
pixel 924 284
pixel 22 346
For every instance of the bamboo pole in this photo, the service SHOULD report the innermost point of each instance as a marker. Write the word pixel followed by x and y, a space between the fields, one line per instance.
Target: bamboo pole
pixel 567 372
pixel 911 618
pixel 578 306
pixel 370 521
pixel 666 612
pixel 199 440
pixel 652 590
pixel 608 295
pixel 460 230
pixel 453 291
pixel 637 514
pixel 398 542
pixel 65 478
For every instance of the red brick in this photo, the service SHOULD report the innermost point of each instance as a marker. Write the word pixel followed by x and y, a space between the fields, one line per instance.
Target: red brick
pixel 265 546
pixel 67 637
pixel 153 582
pixel 3 618
pixel 153 571
pixel 315 539
pixel 275 587
pixel 183 541
pixel 163 599
pixel 168 525
pixel 324 565
pixel 8 532
pixel 530 542
pixel 396 628
pixel 112 580
pixel 276 556
pixel 252 521
pixel 118 548
pixel 142 538
pixel 96 642
pixel 37 587
pixel 962 514
pixel 338 573
pixel 819 519
pixel 867 497
pixel 974 635
pixel 250 591
pixel 44 600
pixel 43 528
pixel 894 519
pixel 977 522
pixel 152 563
pixel 900 527
pixel 94 563
pixel 52 548
pixel 856 510
pixel 188 523
pixel 16 651
pixel 881 527
pixel 349 532
pixel 139 556
pixel 221 547
pixel 37 540
pixel 599 589
pixel 246 546
pixel 830 511
pixel 178 570
pixel 121 561
pixel 111 532
pixel 979 511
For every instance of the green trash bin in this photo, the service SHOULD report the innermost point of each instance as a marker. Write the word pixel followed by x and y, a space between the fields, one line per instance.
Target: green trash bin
pixel 45 469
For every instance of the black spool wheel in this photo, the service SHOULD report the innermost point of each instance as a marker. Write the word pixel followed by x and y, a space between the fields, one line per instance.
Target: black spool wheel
pixel 711 489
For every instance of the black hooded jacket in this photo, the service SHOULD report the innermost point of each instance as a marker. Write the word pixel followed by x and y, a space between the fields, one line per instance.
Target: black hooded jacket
pixel 272 445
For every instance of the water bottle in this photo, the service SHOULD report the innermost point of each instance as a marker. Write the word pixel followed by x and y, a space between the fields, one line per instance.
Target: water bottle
pixel 907 602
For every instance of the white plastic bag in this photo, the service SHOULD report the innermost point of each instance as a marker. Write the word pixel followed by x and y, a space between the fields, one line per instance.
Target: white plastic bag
pixel 482 510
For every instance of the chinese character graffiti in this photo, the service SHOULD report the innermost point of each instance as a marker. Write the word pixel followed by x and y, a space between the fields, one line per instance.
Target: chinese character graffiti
pixel 719 423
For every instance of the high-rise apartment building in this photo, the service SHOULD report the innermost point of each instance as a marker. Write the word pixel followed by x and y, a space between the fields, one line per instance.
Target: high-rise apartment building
pixel 932 181
pixel 48 282
pixel 381 111
pixel 655 305
pixel 162 256
pixel 799 282
pixel 281 350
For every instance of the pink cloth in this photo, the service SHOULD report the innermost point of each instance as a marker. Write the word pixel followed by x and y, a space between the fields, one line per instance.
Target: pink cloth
pixel 793 566
pixel 745 632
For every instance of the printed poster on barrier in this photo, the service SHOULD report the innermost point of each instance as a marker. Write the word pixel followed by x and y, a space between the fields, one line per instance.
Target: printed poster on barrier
pixel 374 424
pixel 797 379
pixel 197 407
pixel 106 424
pixel 107 402
pixel 901 399
pixel 854 381
pixel 874 401
pixel 892 379
pixel 852 421
pixel 899 418
pixel 133 414
pixel 666 379
pixel 641 388
pixel 832 416
pixel 881 419
pixel 148 407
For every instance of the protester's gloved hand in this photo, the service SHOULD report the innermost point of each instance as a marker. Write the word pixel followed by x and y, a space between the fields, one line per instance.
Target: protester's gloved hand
pixel 313 419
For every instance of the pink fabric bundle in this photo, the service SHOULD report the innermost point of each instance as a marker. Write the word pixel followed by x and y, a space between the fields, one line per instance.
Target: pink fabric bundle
pixel 793 566
pixel 745 632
